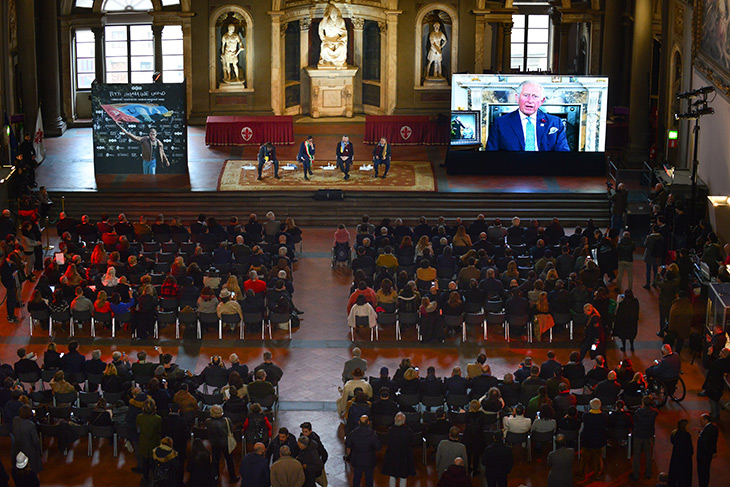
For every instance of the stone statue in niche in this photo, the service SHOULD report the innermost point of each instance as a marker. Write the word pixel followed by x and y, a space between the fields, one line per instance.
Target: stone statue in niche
pixel 333 33
pixel 436 41
pixel 232 46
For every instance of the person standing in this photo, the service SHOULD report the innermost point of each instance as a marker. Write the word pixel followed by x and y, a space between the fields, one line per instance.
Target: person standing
pixel 560 462
pixel 345 152
pixel 23 475
pixel 8 277
pixel 619 198
pixel 306 156
pixel 680 465
pixel 381 155
pixel 255 468
pixel 626 323
pixel 497 460
pixel 310 460
pixel 218 430
pixel 643 435
pixel 653 252
pixel 398 460
pixel 25 438
pixel 362 445
pixel 267 153
pixel 149 426
pixel 287 471
pixel 593 438
pixel 153 151
pixel 625 252
pixel 706 449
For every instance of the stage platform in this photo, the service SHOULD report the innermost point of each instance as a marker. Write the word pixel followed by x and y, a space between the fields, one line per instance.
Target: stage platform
pixel 68 171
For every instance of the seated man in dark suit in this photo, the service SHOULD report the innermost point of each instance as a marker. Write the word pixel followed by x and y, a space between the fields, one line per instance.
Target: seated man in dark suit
pixel 456 384
pixel 441 426
pixel 548 367
pixel 260 387
pixel 215 372
pixel 431 385
pixel 95 365
pixel 73 361
pixel 384 381
pixel 386 406
pixel 528 128
pixel 27 363
pixel 143 371
pixel 482 383
pixel 273 371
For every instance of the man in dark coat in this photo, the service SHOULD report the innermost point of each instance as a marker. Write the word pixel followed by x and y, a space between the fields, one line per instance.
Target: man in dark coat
pixel 281 439
pixel 497 461
pixel 175 426
pixel 362 445
pixel 310 460
pixel 548 367
pixel 398 460
pixel 455 475
pixel 345 153
pixel 714 385
pixel 255 468
pixel 680 465
pixel 267 153
pixel 560 462
pixel 73 362
pixel 706 449
pixel 26 364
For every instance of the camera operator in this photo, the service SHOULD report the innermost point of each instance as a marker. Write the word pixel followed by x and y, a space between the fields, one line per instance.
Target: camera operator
pixel 619 200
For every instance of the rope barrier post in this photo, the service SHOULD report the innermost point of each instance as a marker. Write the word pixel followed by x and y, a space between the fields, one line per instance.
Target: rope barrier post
pixel 48 245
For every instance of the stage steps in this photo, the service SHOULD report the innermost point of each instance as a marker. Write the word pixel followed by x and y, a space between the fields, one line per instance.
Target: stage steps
pixel 571 208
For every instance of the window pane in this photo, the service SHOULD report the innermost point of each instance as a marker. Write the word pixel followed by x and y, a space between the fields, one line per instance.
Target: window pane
pixel 85 3
pixel 110 5
pixel 116 49
pixel 142 47
pixel 537 35
pixel 117 77
pixel 536 63
pixel 84 81
pixel 172 63
pixel 518 21
pixel 518 50
pixel 172 47
pixel 172 32
pixel 116 64
pixel 84 49
pixel 173 76
pixel 142 77
pixel 116 33
pixel 537 50
pixel 143 63
pixel 539 21
pixel 140 32
pixel 165 3
pixel 85 65
pixel 518 35
pixel 84 35
pixel 516 63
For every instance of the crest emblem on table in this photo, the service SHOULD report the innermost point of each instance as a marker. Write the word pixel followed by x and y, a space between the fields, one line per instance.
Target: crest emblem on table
pixel 405 132
pixel 246 133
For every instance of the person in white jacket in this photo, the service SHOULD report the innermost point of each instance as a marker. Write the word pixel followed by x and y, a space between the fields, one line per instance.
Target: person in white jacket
pixel 362 308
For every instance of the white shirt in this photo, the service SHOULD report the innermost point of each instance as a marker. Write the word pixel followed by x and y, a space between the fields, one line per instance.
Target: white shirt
pixel 523 120
pixel 516 424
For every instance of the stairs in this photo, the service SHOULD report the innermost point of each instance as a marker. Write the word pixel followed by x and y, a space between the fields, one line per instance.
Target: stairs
pixel 571 208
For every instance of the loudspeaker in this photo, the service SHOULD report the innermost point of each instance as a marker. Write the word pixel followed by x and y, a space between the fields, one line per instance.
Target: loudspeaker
pixel 329 195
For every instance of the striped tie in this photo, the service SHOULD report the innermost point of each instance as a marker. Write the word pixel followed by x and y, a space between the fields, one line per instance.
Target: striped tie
pixel 529 135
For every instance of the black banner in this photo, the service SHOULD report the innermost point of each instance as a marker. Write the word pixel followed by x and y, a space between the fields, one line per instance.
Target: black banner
pixel 124 116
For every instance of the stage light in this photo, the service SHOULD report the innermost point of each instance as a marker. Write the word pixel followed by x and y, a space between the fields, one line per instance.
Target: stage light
pixel 672 135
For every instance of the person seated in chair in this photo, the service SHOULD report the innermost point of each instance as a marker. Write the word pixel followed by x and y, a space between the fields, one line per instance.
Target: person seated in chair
pixel 385 406
pixel 214 373
pixel 668 368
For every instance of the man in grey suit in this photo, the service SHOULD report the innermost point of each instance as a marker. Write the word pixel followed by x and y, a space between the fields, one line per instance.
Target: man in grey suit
pixel 354 363
pixel 560 462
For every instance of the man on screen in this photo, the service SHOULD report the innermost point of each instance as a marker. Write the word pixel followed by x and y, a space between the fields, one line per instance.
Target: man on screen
pixel 528 128
pixel 152 150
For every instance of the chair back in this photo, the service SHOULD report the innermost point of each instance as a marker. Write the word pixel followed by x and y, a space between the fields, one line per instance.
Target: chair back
pixel 208 318
pixel 513 439
pixel 65 398
pixel 453 321
pixel 362 321
pixel 433 401
pixel 279 318
pixel 253 318
pixel 41 315
pixel 81 316
pixel 408 400
pixel 88 398
pixel 29 377
pixel 61 317
pixel 231 319
pixel 103 317
pixel 495 318
pixel 408 318
pixel 211 399
pixel 456 401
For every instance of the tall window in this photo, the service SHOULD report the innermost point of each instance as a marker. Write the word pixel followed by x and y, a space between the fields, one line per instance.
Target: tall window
pixel 85 3
pixel 84 46
pixel 172 54
pixel 129 54
pixel 530 42
pixel 117 5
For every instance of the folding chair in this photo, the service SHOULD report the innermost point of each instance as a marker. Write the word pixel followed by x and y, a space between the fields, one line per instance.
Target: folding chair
pixel 363 321
pixel 278 318
pixel 40 317
pixel 232 319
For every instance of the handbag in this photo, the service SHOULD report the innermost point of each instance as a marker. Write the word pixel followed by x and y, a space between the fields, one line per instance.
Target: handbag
pixel 231 439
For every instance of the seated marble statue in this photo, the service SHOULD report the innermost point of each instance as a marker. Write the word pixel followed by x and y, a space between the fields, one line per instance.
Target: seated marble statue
pixel 333 32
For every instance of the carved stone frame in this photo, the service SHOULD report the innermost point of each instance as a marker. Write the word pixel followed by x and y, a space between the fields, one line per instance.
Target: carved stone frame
pixel 213 54
pixel 454 41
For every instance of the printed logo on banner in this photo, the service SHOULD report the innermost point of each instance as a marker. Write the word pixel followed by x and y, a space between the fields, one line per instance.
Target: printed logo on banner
pixel 405 132
pixel 246 133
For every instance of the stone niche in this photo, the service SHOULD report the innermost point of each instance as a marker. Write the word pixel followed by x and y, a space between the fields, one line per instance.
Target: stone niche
pixel 231 51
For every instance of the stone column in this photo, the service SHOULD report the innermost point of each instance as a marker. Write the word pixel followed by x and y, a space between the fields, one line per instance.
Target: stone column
pixel 663 100
pixel 27 63
pixel 481 26
pixel 564 61
pixel 157 43
pixel 99 53
pixel 391 76
pixel 277 74
pixel 188 61
pixel 611 52
pixel 507 47
pixel 498 36
pixel 595 47
pixel 640 76
pixel 304 25
pixel 50 81
pixel 357 26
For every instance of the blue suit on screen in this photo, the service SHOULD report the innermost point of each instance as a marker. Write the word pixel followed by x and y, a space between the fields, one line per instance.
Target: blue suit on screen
pixel 506 133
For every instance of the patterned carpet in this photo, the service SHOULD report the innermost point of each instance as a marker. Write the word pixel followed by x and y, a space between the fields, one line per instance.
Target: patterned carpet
pixel 403 176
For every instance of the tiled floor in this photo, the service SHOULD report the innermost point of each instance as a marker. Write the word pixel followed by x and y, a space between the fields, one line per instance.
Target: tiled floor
pixel 312 363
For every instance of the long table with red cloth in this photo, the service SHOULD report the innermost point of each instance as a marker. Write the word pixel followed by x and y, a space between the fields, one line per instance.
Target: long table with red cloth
pixel 233 130
pixel 402 130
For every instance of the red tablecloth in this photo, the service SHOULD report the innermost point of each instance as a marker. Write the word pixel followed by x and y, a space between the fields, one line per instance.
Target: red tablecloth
pixel 225 130
pixel 414 130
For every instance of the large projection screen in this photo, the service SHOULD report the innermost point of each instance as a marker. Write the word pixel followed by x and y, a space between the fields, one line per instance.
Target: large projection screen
pixel 139 108
pixel 570 116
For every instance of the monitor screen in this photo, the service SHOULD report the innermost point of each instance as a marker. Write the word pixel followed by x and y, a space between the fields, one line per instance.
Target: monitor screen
pixel 465 127
pixel 531 113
